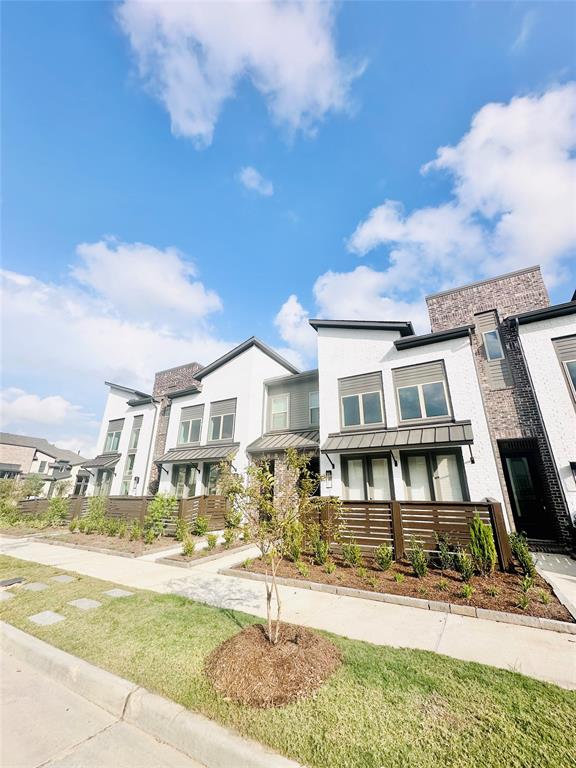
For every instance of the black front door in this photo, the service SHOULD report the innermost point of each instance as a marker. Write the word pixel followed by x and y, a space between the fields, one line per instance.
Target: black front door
pixel 524 481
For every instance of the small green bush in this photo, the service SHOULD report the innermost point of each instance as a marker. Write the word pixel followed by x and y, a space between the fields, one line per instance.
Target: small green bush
pixel 200 526
pixel 362 572
pixel 329 566
pixel 398 578
pixel 352 554
pixel 112 526
pixel 233 518
pixel 466 591
pixel 521 551
pixel 211 540
pixel 492 590
pixel 122 529
pixel 293 541
pixel 248 562
pixel 418 558
pixel 526 584
pixel 482 547
pixel 442 585
pixel 57 511
pixel 246 535
pixel 181 529
pixel 161 509
pixel 188 546
pixel 383 556
pixel 544 597
pixel 523 601
pixel 463 564
pixel 303 569
pixel 136 531
pixel 149 536
pixel 73 525
pixel 320 549
pixel 229 537
pixel 445 555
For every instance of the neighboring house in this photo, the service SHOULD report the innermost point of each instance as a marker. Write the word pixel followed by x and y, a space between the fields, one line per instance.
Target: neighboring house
pixel 22 456
pixel 124 458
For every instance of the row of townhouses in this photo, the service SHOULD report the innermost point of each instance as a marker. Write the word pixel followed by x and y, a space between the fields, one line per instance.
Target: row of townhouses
pixel 483 407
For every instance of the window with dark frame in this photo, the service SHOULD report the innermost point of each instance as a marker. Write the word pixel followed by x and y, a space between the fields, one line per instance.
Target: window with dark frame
pixel 436 475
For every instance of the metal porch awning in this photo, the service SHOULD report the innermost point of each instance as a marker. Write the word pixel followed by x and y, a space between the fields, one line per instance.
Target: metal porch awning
pixel 104 461
pixel 455 433
pixel 280 441
pixel 200 453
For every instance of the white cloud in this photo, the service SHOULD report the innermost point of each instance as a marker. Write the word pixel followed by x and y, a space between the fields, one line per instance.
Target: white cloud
pixel 251 179
pixel 525 32
pixel 514 186
pixel 17 406
pixel 292 324
pixel 142 281
pixel 192 56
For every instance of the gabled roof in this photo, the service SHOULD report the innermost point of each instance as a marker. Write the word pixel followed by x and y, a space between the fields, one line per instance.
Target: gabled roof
pixel 404 328
pixel 40 444
pixel 556 310
pixel 433 338
pixel 251 342
pixel 128 390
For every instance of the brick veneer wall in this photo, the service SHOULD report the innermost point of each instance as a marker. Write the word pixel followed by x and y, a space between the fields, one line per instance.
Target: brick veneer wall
pixel 511 413
pixel 170 380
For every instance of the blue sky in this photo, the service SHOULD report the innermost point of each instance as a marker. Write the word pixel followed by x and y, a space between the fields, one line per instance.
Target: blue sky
pixel 131 242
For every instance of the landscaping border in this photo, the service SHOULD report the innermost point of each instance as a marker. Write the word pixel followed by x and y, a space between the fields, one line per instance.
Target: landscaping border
pixel 103 550
pixel 412 602
pixel 204 558
pixel 196 736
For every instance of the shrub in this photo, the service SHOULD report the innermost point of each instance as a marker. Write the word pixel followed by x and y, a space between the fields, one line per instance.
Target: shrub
pixel 466 591
pixel 57 511
pixel 200 526
pixel 229 537
pixel 320 549
pixel 181 529
pixel 73 525
pixel 482 546
pixel 136 531
pixel 544 597
pixel 188 546
pixel 352 554
pixel 122 529
pixel 526 584
pixel 149 536
pixel 233 518
pixel 492 590
pixel 329 566
pixel 161 509
pixel 248 562
pixel 293 540
pixel 523 601
pixel 520 550
pixel 303 569
pixel 383 556
pixel 442 585
pixel 211 540
pixel 373 582
pixel 362 572
pixel 111 527
pixel 95 518
pixel 246 533
pixel 463 564
pixel 398 578
pixel 418 558
pixel 445 556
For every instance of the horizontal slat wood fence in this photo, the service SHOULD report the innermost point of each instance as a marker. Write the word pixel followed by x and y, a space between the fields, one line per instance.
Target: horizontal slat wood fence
pixel 372 523
pixel 130 508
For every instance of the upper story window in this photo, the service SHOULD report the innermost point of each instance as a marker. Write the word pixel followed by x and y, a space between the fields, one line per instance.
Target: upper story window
pixel 42 467
pixel 361 401
pixel 222 420
pixel 279 405
pixel 113 435
pixel 135 434
pixel 566 351
pixel 190 428
pixel 314 409
pixel 493 345
pixel 421 391
pixel 570 366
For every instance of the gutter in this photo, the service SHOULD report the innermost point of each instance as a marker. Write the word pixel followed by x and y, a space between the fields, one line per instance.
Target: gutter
pixel 150 445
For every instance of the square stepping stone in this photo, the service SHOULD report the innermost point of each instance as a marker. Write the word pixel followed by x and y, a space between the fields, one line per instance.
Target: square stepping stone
pixel 118 593
pixel 5 596
pixel 85 603
pixel 35 586
pixel 45 618
pixel 63 579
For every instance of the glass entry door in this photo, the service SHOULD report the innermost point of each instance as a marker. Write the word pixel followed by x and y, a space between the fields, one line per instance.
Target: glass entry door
pixel 366 478
pixel 434 476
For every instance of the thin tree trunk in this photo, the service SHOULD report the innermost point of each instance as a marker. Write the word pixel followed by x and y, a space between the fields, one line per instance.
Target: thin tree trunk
pixel 278 605
pixel 268 605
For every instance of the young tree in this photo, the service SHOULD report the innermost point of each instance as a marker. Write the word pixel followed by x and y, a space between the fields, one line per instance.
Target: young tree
pixel 271 505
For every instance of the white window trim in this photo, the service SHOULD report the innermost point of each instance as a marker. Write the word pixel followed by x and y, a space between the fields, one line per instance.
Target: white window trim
pixel 360 395
pixel 189 421
pixel 112 449
pixel 221 416
pixel 488 357
pixel 423 415
pixel 568 376
pixel 135 431
pixel 311 407
pixel 286 398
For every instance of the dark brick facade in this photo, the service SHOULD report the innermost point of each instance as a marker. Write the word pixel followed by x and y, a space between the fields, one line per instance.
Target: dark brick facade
pixel 512 412
pixel 170 380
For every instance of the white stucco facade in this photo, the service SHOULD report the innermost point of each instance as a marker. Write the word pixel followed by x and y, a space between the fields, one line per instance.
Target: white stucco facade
pixel 552 390
pixel 344 352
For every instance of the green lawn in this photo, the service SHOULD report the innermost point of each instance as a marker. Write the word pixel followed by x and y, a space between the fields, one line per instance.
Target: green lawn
pixel 384 707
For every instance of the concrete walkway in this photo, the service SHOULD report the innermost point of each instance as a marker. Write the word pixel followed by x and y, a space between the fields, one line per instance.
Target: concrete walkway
pixel 560 572
pixel 543 654
pixel 45 724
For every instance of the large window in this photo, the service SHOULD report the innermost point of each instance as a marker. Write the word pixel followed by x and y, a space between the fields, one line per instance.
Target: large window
pixel 103 482
pixel 112 441
pixel 222 427
pixel 134 437
pixel 279 411
pixel 493 345
pixel 314 409
pixel 423 401
pixel 184 480
pixel 190 431
pixel 210 478
pixel 434 476
pixel 367 478
pixel 362 409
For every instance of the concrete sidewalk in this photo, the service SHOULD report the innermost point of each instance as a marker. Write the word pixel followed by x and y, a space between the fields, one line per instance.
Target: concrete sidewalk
pixel 560 572
pixel 46 724
pixel 538 653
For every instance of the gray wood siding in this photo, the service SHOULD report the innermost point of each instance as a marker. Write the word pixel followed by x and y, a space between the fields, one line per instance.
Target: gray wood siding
pixel 565 348
pixel 358 385
pixel 192 412
pixel 498 372
pixel 298 392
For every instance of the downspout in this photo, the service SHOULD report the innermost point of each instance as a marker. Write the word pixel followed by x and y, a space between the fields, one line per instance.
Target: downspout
pixel 542 422
pixel 150 445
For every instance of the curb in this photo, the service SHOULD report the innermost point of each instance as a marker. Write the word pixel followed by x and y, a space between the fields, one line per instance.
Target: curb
pixel 553 625
pixel 196 736
pixel 204 558
pixel 102 550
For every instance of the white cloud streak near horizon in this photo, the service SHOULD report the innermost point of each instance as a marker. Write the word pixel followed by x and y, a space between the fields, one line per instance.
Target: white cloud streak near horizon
pixel 192 56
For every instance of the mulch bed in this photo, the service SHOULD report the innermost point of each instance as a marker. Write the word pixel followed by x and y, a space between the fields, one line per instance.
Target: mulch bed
pixel 431 587
pixel 219 549
pixel 248 669
pixel 114 543
pixel 17 530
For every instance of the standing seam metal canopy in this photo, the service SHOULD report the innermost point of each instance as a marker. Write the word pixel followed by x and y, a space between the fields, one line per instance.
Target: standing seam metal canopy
pixel 199 453
pixel 459 433
pixel 280 441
